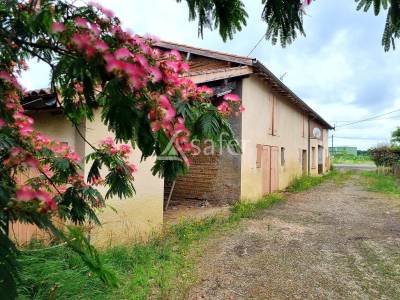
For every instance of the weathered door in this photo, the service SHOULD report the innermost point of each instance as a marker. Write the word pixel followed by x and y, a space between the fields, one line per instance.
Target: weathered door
pixel 270 171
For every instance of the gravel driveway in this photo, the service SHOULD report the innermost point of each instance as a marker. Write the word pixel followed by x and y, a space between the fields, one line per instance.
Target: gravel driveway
pixel 333 242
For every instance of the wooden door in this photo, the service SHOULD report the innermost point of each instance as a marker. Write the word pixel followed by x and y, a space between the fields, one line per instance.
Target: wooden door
pixel 269 169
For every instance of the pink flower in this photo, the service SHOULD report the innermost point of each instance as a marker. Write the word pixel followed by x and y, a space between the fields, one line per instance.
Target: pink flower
pixel 155 73
pixel 122 53
pixel 26 131
pixel 132 168
pixel 242 108
pixel 125 149
pixel 78 88
pixel 32 162
pixel 142 61
pixel 81 40
pixel 25 193
pixel 6 77
pixel 81 22
pixel 232 97
pixel 101 46
pixel 95 28
pixel 107 141
pixel 175 54
pixel 307 2
pixel 205 89
pixel 155 126
pixel 223 107
pixel 2 123
pixel 57 27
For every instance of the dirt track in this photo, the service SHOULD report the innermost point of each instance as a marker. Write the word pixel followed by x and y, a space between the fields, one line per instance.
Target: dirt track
pixel 333 242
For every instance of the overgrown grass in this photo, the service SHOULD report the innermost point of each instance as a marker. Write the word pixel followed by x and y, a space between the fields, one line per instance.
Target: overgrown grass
pixel 155 268
pixel 304 183
pixel 381 183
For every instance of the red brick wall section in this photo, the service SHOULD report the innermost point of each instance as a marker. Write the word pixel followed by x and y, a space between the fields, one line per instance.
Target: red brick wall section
pixel 215 178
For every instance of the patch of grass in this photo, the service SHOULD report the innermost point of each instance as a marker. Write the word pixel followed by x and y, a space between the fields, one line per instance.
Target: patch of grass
pixel 305 183
pixel 153 269
pixel 387 184
pixel 250 209
pixel 344 158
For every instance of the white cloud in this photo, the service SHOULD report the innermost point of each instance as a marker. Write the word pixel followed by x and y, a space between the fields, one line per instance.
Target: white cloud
pixel 340 68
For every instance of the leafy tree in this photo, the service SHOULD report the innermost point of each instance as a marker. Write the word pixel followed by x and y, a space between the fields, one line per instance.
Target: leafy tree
pixel 95 65
pixel 283 18
pixel 396 136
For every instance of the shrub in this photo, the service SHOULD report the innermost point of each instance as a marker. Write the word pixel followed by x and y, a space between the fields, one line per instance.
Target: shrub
pixel 385 156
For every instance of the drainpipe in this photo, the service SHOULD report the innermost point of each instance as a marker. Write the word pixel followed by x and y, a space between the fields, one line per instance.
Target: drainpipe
pixel 309 148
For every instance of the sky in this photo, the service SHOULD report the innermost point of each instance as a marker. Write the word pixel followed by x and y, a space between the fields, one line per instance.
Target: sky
pixel 340 68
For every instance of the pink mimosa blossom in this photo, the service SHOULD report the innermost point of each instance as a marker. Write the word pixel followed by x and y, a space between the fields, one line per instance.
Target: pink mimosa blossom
pixel 101 46
pixel 223 107
pixel 242 108
pixel 232 97
pixel 78 88
pixel 205 89
pixel 25 193
pixel 57 27
pixel 2 123
pixel 108 141
pixel 175 54
pixel 122 53
pixel 81 22
pixel 95 29
pixel 7 77
pixel 125 149
pixel 32 162
pixel 132 168
pixel 155 73
pixel 155 126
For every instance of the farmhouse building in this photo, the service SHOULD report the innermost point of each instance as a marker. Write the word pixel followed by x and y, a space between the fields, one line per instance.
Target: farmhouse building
pixel 280 135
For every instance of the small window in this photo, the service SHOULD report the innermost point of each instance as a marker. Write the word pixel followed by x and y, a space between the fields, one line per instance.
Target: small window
pixel 282 156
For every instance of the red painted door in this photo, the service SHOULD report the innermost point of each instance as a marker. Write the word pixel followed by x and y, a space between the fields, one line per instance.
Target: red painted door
pixel 269 169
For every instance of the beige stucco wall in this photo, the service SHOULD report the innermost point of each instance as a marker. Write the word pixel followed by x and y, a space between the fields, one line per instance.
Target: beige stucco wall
pixel 255 130
pixel 123 220
pixel 136 217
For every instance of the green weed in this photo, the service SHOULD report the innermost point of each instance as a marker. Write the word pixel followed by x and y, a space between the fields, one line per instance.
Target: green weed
pixel 153 269
pixel 381 183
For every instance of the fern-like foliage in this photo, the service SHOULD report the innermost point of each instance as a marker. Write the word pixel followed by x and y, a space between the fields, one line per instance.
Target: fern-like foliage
pixel 392 25
pixel 284 19
pixel 229 16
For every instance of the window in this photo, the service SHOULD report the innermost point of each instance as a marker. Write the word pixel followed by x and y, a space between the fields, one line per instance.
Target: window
pixel 313 157
pixel 282 156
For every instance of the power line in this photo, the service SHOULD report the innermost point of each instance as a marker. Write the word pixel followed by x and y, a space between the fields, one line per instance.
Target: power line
pixel 368 119
pixel 358 138
pixel 258 43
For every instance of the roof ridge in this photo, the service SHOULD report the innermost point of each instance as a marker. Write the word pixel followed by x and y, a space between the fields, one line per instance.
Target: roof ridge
pixel 168 44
